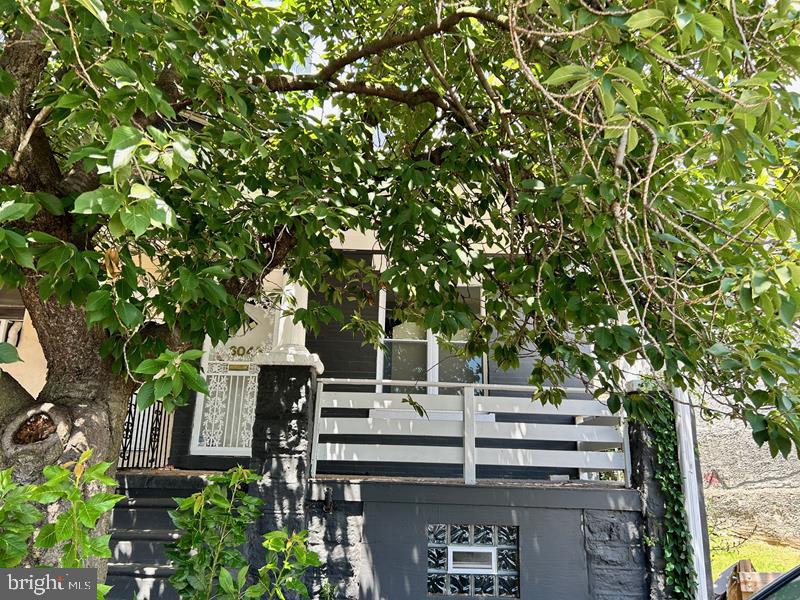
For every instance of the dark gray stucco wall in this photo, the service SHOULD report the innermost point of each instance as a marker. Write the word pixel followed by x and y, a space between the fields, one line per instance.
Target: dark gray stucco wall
pixel 575 542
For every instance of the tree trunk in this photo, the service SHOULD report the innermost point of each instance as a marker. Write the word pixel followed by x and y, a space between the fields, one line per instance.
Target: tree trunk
pixel 81 406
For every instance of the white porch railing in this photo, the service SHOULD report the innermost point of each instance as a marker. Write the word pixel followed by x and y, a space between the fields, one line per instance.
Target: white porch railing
pixel 475 412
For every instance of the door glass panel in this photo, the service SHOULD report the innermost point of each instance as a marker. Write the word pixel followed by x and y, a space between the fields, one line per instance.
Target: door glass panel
pixel 408 357
pixel 457 369
pixel 406 361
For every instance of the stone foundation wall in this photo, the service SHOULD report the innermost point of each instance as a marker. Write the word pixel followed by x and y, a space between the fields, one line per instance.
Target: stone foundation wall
pixel 616 553
pixel 336 535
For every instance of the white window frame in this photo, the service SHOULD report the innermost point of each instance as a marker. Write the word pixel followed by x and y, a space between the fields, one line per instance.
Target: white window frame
pixel 432 347
pixel 492 550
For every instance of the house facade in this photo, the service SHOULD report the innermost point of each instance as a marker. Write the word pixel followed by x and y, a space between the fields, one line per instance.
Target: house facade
pixel 484 495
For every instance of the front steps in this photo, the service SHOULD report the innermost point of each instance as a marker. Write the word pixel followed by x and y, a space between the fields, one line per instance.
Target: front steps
pixel 140 530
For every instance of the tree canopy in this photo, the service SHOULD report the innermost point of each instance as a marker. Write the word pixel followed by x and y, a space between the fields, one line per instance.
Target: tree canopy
pixel 620 178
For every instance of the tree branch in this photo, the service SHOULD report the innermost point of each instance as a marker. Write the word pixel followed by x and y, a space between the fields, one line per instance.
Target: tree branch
pixel 26 138
pixel 34 168
pixel 289 83
pixel 394 41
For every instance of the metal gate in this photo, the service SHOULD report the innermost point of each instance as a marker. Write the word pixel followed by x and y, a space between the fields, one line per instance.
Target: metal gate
pixel 146 437
pixel 223 419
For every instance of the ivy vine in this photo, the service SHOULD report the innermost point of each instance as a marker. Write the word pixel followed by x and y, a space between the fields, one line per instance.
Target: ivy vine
pixel 657 414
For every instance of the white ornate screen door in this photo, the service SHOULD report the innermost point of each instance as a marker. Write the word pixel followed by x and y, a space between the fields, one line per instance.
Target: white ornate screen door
pixel 223 420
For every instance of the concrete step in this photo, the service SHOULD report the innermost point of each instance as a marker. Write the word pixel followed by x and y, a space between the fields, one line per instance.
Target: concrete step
pixel 135 485
pixel 141 518
pixel 162 535
pixel 134 587
pixel 151 552
pixel 140 569
pixel 140 530
pixel 165 503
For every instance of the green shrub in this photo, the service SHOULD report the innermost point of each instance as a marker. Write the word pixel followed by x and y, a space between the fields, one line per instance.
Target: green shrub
pixel 21 512
pixel 213 524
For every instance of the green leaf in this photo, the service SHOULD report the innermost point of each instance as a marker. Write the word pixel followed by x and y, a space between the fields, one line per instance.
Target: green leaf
pixel 226 581
pixel 50 203
pixel 120 70
pixel 629 75
pixel 746 297
pixel 787 311
pixel 128 314
pixel 655 113
pixel 627 95
pixel 8 354
pixel 12 211
pixel 633 140
pixel 719 349
pixel 145 396
pixel 98 546
pixel 97 9
pixel 760 283
pixel 150 366
pixel 183 147
pixel 710 24
pixel 645 18
pixel 46 537
pixel 183 6
pixel 567 73
pixel 604 337
pixel 136 218
pixel 163 387
pixel 140 192
pixel 103 200
pixel 124 137
pixel 7 83
pixel 683 19
pixel 255 591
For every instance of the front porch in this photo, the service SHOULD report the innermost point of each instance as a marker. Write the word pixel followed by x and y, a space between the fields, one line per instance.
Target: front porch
pixel 396 479
pixel 431 431
pixel 417 473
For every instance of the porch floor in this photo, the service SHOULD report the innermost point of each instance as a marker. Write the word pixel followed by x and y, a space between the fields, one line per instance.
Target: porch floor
pixel 357 479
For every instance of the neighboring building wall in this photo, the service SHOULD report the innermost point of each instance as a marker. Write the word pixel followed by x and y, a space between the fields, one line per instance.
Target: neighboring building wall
pixel 748 492
pixel 32 371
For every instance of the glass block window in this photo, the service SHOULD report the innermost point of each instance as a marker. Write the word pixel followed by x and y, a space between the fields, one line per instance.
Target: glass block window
pixel 473 560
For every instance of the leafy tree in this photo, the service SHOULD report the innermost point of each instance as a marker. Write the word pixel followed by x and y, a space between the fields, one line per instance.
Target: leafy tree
pixel 621 179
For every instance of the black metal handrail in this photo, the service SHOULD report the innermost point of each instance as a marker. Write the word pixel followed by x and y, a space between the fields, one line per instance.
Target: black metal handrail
pixel 145 437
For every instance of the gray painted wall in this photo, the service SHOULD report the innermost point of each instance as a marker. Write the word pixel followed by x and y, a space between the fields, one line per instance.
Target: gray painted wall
pixel 575 542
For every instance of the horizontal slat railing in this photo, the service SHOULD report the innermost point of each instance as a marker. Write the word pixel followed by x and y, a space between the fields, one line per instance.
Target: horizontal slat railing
pixel 480 426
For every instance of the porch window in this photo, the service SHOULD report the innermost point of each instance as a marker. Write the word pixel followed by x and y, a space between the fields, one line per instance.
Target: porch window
pixel 414 354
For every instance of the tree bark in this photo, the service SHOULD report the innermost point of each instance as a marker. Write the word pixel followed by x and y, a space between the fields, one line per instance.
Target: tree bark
pixel 83 399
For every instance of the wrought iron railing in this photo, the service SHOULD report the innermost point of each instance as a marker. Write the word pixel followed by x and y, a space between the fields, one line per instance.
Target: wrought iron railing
pixel 146 437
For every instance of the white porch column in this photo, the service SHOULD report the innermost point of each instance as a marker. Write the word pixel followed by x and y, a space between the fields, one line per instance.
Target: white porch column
pixel 691 488
pixel 290 338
